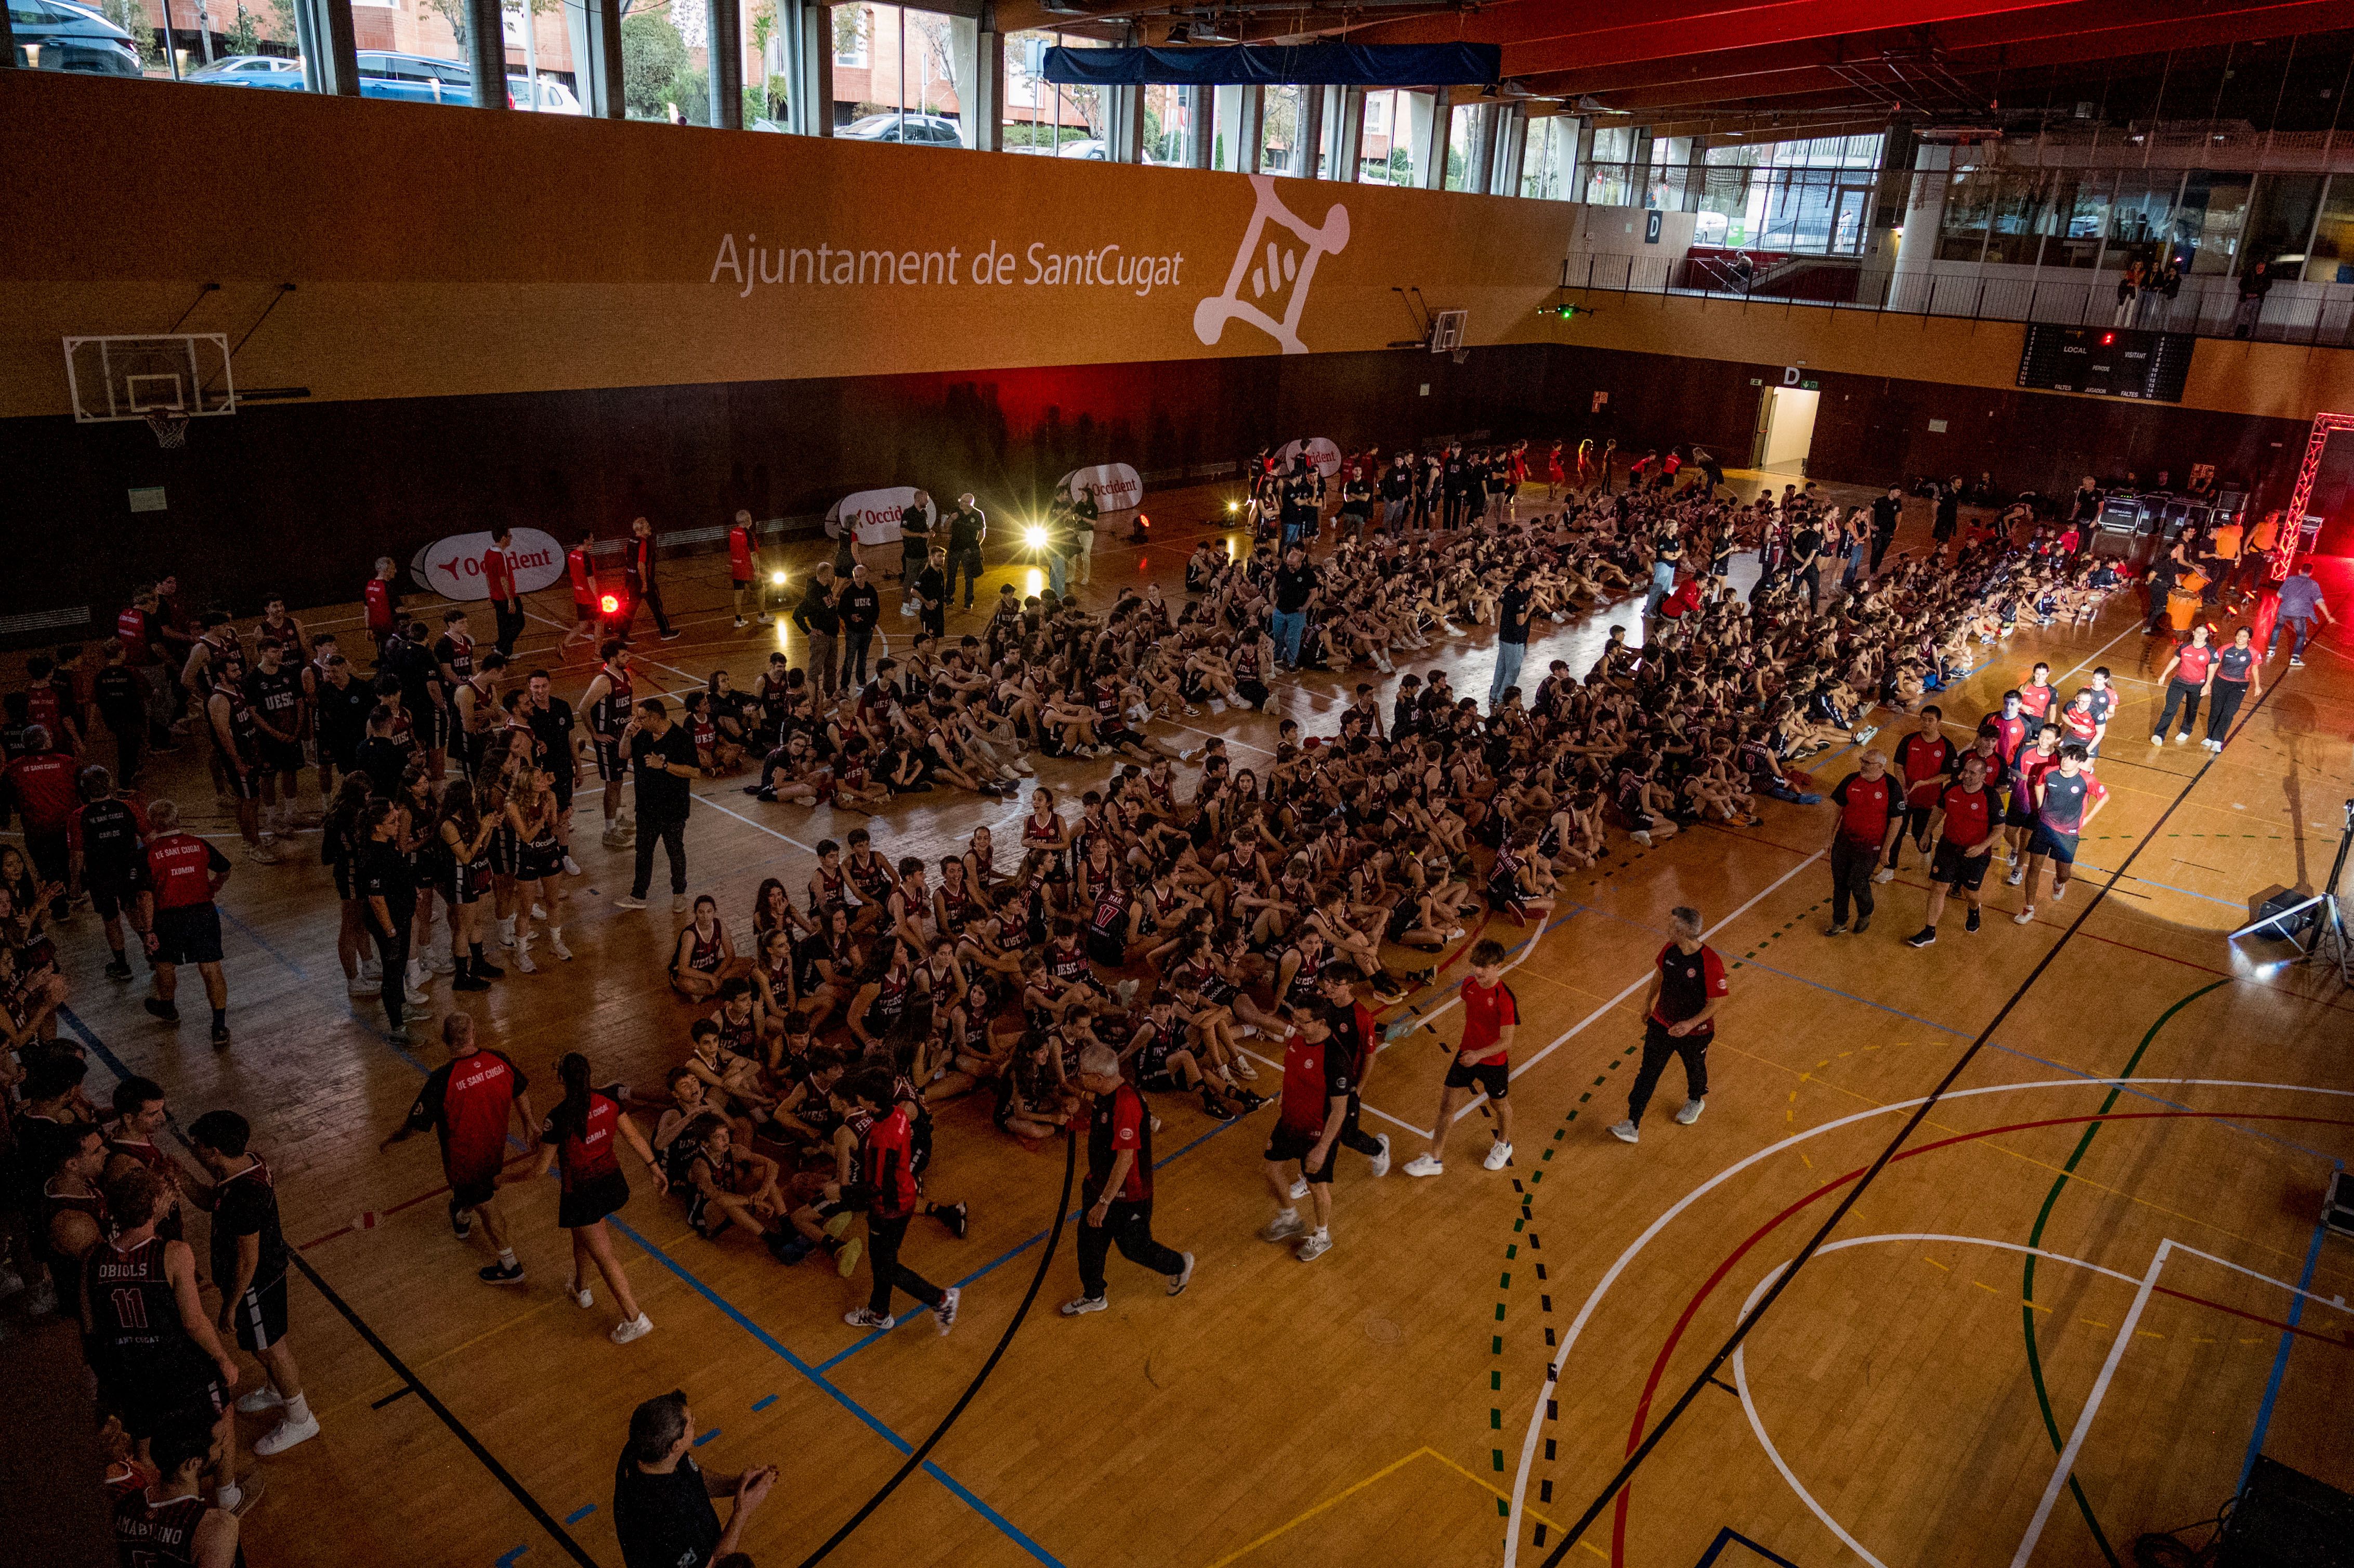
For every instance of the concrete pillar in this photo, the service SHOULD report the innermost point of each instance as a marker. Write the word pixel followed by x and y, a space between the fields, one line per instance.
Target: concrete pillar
pixel 1201 126
pixel 1511 149
pixel 594 28
pixel 1480 165
pixel 723 61
pixel 1575 188
pixel 323 31
pixel 1924 211
pixel 1344 134
pixel 1638 168
pixel 1308 149
pixel 486 39
pixel 807 27
pixel 983 107
pixel 1431 117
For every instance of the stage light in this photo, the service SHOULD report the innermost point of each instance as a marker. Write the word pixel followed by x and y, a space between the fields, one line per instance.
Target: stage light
pixel 777 578
pixel 610 604
pixel 2107 338
pixel 1035 537
pixel 1232 507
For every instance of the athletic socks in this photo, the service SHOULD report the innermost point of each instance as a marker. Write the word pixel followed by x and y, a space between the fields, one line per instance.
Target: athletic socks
pixel 228 1497
pixel 298 1409
pixel 507 1257
pixel 220 1017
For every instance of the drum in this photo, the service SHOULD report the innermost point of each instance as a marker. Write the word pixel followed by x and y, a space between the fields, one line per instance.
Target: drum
pixel 2182 609
pixel 2193 582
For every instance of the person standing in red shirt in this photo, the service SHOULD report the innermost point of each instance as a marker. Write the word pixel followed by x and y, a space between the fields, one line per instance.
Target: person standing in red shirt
pixel 887 1190
pixel 1927 760
pixel 2010 731
pixel 39 786
pixel 381 601
pixel 1679 1021
pixel 1965 821
pixel 582 1139
pixel 498 576
pixel 744 566
pixel 2036 695
pixel 467 1101
pixel 179 876
pixel 1315 1102
pixel 2187 677
pixel 1869 822
pixel 1491 1017
pixel 588 610
pixel 1119 1188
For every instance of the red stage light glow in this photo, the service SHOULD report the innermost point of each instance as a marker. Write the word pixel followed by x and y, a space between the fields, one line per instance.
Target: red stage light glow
pixel 610 604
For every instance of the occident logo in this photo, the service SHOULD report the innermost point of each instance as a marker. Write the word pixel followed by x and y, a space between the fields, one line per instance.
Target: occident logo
pixel 1114 486
pixel 452 568
pixel 872 516
pixel 1319 452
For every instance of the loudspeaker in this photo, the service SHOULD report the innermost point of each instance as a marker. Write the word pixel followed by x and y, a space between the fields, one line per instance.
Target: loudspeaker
pixel 2284 1520
pixel 2290 930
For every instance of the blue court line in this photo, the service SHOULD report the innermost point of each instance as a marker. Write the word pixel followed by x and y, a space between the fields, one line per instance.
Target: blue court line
pixel 962 1492
pixel 2280 1357
pixel 259 940
pixel 2146 881
pixel 1009 1255
pixel 705 1435
pixel 763 1404
pixel 577 1514
pixel 508 1559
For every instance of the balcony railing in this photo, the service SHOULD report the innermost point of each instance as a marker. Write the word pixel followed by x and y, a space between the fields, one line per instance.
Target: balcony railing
pixel 2320 314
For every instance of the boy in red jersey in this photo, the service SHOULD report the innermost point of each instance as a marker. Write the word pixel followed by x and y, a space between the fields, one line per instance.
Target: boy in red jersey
pixel 1963 823
pixel 886 1189
pixel 381 601
pixel 2036 695
pixel 744 568
pixel 466 1102
pixel 1491 1017
pixel 1927 760
pixel 1316 1080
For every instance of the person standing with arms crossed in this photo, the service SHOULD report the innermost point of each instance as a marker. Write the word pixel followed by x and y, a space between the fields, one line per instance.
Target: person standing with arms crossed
pixel 1679 1020
pixel 506 601
pixel 662 756
pixel 821 622
pixel 1295 590
pixel 1869 823
pixel 968 530
pixel 1963 823
pixel 1491 1017
pixel 384 879
pixel 860 606
pixel 466 1102
pixel 248 1261
pixel 1119 1188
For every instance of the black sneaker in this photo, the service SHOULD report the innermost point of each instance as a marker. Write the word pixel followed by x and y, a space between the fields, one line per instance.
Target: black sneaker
pixel 470 983
pixel 220 1035
pixel 1971 924
pixel 954 1217
pixel 1926 937
pixel 500 1274
pixel 672 635
pixel 119 969
pixel 1223 1110
pixel 1839 929
pixel 168 1012
pixel 461 1222
pixel 1863 924
pixel 485 969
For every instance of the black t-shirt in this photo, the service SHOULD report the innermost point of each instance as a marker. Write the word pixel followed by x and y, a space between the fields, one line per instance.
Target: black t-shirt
pixel 1512 616
pixel 246 1205
pixel 660 794
pixel 121 698
pixel 664 1522
pixel 964 528
pixel 384 873
pixel 553 726
pixel 343 710
pixel 1292 587
pixel 1807 543
pixel 384 761
pixel 860 606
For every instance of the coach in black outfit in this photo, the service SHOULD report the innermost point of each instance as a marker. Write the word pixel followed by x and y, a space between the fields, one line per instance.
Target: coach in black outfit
pixel 662 1497
pixel 662 755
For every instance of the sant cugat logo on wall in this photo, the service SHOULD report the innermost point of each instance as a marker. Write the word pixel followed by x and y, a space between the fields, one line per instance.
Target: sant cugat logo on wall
pixel 1275 272
pixel 1274 263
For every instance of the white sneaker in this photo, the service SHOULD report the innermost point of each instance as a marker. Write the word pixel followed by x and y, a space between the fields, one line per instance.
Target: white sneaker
pixel 1500 1154
pixel 506 932
pixel 1081 1305
pixel 2158 740
pixel 1641 836
pixel 2025 916
pixel 637 1328
pixel 522 962
pixel 284 1436
pixel 1381 1162
pixel 865 1318
pixel 415 996
pixel 261 853
pixel 362 986
pixel 1690 1113
pixel 1424 1165
pixel 1885 873
pixel 2018 875
pixel 1626 1132
pixel 371 968
pixel 1314 1247
pixel 582 1296
pixel 2059 891
pixel 571 866
pixel 1184 1277
pixel 266 1397
pixel 1243 1064
pixel 629 903
pixel 1299 1188
pixel 555 944
pixel 538 913
pixel 1282 1227
pixel 2183 739
pixel 945 1314
pixel 678 903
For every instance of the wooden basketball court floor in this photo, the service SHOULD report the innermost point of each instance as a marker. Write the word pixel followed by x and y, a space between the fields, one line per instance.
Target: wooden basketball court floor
pixel 2088 1289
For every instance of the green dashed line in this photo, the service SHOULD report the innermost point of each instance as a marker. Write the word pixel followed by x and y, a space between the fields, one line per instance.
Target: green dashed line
pixel 1513 1251
pixel 1497 1344
pixel 1499 1455
pixel 1495 1419
pixel 1505 1283
pixel 1499 1312
pixel 1496 1380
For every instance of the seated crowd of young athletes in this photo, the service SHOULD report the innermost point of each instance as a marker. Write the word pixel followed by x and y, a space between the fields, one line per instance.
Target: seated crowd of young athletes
pixel 1167 922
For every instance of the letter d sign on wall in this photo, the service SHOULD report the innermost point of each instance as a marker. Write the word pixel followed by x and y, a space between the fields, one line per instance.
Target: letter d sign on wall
pixel 1789 376
pixel 1651 227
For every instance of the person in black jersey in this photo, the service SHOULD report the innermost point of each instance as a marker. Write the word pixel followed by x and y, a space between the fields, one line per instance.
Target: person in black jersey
pixel 341 705
pixel 103 837
pixel 249 1264
pixel 661 1499
pixel 551 721
pixel 1679 1021
pixel 170 1524
pixel 274 690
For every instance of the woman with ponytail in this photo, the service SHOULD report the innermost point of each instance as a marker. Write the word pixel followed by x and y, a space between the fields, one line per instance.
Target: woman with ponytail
pixel 581 1137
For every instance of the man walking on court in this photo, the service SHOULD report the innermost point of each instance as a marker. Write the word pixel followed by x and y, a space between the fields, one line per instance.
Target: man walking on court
pixel 643 588
pixel 499 578
pixel 2300 601
pixel 1679 1020
pixel 467 1101
pixel 1491 1016
pixel 1869 822
pixel 1119 1187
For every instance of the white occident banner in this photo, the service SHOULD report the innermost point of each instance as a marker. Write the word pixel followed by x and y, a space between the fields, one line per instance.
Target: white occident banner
pixel 452 568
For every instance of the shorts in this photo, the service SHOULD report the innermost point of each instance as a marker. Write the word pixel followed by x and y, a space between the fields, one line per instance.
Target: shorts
pixel 462 881
pixel 1957 869
pixel 151 1405
pixel 506 850
pixel 1110 951
pixel 2021 810
pixel 473 1191
pixel 539 860
pixel 610 764
pixel 261 1315
pixel 739 583
pixel 1290 1143
pixel 108 899
pixel 1494 1078
pixel 344 881
pixel 244 776
pixel 584 611
pixel 188 935
pixel 279 756
pixel 592 1201
pixel 2052 844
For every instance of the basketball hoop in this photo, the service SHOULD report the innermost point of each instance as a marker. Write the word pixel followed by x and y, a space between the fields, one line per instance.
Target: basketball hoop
pixel 170 427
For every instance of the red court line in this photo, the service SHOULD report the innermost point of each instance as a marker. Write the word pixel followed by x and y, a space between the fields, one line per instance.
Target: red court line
pixel 1691 1309
pixel 2256 1318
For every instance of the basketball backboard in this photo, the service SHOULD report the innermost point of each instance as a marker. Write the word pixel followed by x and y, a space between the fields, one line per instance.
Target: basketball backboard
pixel 183 373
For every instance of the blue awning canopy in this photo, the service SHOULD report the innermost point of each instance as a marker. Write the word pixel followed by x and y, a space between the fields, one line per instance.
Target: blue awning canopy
pixel 1244 65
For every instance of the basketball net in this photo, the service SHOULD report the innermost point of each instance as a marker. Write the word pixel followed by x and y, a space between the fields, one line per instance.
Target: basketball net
pixel 170 427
